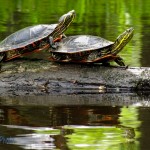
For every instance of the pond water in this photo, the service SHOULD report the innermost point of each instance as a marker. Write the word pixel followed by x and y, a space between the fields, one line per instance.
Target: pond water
pixel 99 121
pixel 104 121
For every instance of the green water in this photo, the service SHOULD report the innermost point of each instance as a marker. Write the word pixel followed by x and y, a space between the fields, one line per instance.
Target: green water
pixel 68 126
pixel 103 18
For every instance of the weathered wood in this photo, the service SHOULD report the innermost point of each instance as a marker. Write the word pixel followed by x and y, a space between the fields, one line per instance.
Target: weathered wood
pixel 39 76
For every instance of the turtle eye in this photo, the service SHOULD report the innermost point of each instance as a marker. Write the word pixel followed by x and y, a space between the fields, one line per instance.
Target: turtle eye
pixel 130 29
pixel 71 14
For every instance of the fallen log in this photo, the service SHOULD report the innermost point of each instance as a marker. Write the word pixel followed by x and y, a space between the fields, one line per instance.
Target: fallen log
pixel 40 76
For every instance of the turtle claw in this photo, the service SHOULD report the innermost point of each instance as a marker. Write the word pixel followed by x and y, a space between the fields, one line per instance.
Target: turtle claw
pixel 126 67
pixel 119 61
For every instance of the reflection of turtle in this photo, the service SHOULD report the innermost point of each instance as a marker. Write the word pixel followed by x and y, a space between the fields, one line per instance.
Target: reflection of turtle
pixel 91 49
pixel 34 38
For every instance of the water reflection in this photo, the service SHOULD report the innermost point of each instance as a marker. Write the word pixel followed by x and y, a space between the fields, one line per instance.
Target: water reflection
pixel 69 127
pixel 84 115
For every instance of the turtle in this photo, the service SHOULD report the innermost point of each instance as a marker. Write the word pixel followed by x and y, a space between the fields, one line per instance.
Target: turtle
pixel 90 49
pixel 34 38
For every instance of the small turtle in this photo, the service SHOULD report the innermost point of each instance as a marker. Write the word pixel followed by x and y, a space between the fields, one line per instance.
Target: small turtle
pixel 91 49
pixel 34 38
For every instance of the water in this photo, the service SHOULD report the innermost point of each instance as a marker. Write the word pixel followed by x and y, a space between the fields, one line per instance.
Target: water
pixel 75 122
pixel 104 121
pixel 110 121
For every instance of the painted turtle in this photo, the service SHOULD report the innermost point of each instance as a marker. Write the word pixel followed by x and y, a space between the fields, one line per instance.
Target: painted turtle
pixel 91 49
pixel 34 38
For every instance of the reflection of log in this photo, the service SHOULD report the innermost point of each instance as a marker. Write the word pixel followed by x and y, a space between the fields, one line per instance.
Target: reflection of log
pixel 109 99
pixel 36 76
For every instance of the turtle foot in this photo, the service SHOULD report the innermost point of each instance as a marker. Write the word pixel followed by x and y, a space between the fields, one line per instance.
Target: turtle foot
pixel 54 45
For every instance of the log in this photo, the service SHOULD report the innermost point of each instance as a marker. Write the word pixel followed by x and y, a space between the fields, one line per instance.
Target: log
pixel 35 76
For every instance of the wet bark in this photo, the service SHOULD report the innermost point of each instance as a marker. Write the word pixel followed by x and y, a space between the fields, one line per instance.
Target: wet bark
pixel 22 77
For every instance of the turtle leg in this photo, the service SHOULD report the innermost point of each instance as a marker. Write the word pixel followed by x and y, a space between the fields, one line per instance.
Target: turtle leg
pixel 106 59
pixel 119 61
pixel 64 36
pixel 115 58
pixel 2 56
pixel 58 39
pixel 56 56
pixel 53 44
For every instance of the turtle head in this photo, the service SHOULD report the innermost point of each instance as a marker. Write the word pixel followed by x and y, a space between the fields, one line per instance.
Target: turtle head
pixel 68 17
pixel 122 40
pixel 64 22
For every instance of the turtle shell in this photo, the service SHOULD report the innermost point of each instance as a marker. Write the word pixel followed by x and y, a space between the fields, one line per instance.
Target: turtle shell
pixel 81 43
pixel 26 36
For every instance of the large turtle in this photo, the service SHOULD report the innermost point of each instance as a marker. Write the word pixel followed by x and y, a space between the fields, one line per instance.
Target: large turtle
pixel 91 49
pixel 34 38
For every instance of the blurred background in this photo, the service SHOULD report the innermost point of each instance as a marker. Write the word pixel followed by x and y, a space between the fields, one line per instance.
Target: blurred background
pixel 103 18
